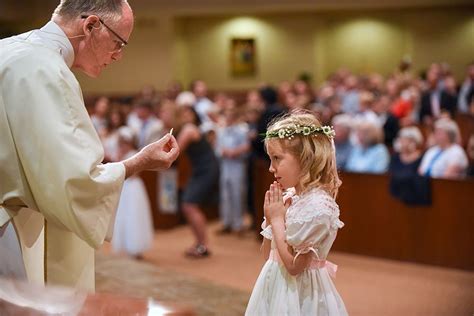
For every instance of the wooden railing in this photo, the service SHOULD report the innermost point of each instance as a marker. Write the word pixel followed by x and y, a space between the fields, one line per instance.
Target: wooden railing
pixel 379 225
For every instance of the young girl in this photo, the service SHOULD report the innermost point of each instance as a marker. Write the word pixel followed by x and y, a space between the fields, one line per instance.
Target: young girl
pixel 133 233
pixel 232 148
pixel 301 224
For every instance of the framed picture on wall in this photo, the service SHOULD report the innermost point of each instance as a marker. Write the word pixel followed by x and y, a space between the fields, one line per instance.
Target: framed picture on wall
pixel 243 57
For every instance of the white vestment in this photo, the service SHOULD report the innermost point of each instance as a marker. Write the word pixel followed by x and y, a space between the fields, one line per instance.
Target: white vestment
pixel 54 191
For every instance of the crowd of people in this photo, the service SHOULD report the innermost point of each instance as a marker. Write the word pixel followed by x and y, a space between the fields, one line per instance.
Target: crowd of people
pixel 403 124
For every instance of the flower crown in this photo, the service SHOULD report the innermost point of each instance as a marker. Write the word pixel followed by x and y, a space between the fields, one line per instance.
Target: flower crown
pixel 306 130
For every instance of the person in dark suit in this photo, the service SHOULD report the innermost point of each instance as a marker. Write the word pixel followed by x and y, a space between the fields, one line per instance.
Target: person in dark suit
pixel 272 110
pixel 435 101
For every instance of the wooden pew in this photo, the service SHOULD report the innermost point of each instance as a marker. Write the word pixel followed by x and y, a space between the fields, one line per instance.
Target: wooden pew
pixel 466 127
pixel 379 225
pixel 376 224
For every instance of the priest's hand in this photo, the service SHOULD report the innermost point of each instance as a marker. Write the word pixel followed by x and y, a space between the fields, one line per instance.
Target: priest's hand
pixel 155 156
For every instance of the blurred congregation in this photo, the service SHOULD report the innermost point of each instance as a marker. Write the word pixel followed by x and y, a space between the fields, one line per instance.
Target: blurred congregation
pixel 410 126
pixel 374 117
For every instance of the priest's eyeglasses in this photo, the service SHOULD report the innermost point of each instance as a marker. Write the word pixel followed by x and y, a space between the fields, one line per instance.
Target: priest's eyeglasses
pixel 119 44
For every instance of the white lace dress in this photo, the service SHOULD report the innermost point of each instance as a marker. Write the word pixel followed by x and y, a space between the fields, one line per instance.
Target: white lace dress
pixel 133 230
pixel 312 222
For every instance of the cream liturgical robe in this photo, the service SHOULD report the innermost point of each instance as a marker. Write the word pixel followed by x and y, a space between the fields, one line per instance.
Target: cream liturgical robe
pixel 57 201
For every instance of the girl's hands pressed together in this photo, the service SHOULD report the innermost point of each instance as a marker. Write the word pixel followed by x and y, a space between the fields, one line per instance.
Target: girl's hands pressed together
pixel 273 207
pixel 275 211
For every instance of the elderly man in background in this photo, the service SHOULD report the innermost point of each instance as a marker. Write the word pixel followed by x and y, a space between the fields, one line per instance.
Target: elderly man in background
pixel 343 126
pixel 57 200
pixel 369 154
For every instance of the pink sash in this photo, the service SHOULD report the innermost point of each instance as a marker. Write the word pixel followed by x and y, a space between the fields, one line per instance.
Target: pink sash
pixel 315 263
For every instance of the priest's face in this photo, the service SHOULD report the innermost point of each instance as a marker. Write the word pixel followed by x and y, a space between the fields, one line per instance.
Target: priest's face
pixel 103 43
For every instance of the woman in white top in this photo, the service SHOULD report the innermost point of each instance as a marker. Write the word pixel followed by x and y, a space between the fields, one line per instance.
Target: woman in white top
pixel 446 159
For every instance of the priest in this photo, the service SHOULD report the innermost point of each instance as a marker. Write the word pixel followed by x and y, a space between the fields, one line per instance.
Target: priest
pixel 57 199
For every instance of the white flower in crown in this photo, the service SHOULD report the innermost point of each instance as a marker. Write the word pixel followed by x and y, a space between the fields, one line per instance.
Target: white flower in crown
pixel 281 133
pixel 328 131
pixel 306 130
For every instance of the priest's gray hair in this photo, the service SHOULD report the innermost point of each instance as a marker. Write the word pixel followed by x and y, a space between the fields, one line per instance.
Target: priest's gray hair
pixel 105 9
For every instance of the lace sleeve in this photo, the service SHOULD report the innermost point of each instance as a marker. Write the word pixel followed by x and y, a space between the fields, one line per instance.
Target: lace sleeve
pixel 316 203
pixel 306 236
pixel 266 230
pixel 310 222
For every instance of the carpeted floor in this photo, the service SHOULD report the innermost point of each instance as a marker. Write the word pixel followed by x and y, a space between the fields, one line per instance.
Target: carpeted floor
pixel 141 279
pixel 221 284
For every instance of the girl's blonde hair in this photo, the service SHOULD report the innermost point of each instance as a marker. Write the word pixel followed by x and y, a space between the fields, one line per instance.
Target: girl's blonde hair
pixel 315 152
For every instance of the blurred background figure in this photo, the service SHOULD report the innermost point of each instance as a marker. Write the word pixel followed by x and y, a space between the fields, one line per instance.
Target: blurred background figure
pixel 342 124
pixel 167 114
pixel 254 100
pixel 446 159
pixel 109 134
pixel 405 183
pixel 133 233
pixel 202 186
pixel 173 89
pixel 389 122
pixel 269 97
pixel 408 152
pixel 436 100
pixel 369 154
pixel 350 95
pixel 149 93
pixel 470 154
pixel 185 98
pixel 290 101
pixel 99 116
pixel 233 146
pixel 203 104
pixel 466 91
pixel 404 107
pixel 252 116
pixel 146 126
pixel 303 93
pixel 284 87
pixel 366 112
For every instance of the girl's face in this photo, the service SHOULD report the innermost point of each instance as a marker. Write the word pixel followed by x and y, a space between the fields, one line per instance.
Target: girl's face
pixel 284 166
